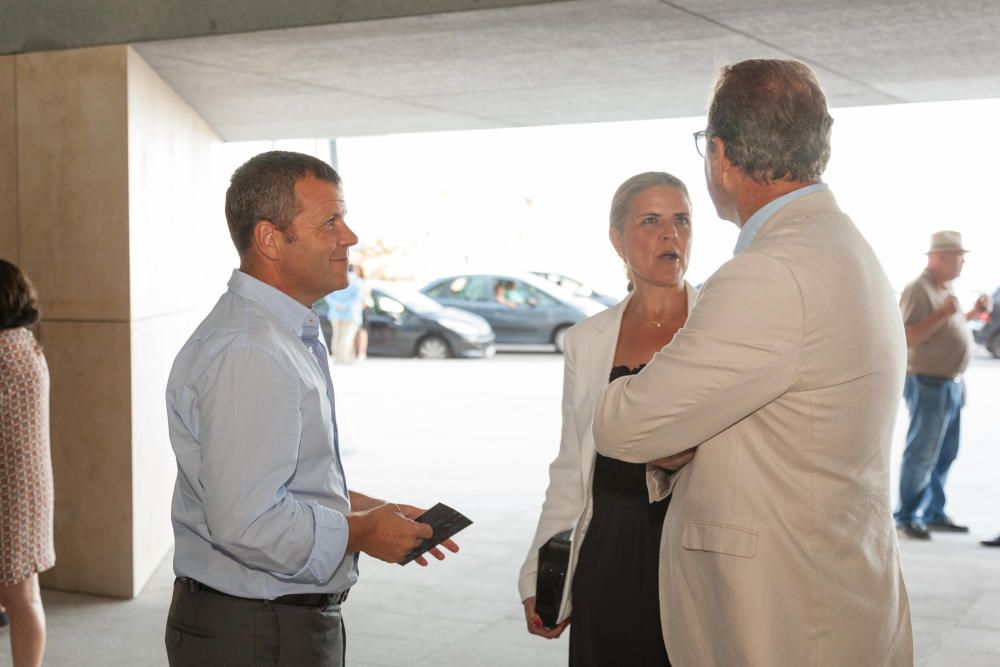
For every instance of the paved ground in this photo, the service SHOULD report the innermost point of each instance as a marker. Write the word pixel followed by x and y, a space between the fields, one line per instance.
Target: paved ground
pixel 478 435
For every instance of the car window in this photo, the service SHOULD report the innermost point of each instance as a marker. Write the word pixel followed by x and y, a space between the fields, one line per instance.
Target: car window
pixel 414 301
pixel 463 288
pixel 476 288
pixel 524 294
pixel 442 290
pixel 387 305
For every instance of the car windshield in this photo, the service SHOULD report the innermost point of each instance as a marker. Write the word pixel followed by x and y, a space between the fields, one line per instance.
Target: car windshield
pixel 413 300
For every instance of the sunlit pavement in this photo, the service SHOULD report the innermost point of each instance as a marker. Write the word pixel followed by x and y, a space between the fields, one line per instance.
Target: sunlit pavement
pixel 478 435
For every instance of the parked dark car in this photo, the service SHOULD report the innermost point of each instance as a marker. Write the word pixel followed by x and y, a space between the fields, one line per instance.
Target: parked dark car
pixel 577 288
pixel 404 323
pixel 521 307
pixel 989 334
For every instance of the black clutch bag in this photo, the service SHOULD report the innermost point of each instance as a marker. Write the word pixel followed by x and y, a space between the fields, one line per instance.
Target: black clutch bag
pixel 553 562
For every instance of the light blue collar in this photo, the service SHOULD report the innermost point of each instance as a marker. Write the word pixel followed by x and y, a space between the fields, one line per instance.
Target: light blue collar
pixel 287 310
pixel 749 230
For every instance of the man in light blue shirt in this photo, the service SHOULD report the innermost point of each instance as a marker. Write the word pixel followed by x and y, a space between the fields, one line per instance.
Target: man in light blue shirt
pixel 267 532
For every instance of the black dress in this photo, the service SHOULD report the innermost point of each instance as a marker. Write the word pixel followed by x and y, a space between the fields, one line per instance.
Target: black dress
pixel 616 606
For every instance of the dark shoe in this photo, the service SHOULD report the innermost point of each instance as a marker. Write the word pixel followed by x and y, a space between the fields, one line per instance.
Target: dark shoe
pixel 946 525
pixel 913 530
pixel 995 542
pixel 4 619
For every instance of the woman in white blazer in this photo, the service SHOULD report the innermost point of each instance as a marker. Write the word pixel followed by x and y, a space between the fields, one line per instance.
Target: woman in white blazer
pixel 615 509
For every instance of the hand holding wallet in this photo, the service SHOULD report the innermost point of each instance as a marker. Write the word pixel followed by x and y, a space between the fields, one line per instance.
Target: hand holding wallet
pixel 444 521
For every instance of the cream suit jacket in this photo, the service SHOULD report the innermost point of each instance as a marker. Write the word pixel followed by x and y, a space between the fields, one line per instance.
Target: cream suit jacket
pixel 588 356
pixel 779 547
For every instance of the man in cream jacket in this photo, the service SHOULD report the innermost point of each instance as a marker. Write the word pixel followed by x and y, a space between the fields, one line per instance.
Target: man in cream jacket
pixel 779 546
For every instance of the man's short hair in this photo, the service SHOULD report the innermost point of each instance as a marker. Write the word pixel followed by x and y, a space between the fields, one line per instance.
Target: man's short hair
pixel 263 188
pixel 772 117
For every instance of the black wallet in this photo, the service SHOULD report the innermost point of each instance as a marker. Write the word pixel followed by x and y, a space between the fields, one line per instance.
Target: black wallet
pixel 445 521
pixel 553 563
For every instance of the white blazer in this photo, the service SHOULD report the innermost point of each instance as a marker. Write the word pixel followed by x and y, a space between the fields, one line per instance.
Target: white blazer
pixel 588 357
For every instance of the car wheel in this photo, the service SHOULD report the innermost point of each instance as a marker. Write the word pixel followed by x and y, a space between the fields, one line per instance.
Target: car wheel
pixel 433 347
pixel 994 345
pixel 559 338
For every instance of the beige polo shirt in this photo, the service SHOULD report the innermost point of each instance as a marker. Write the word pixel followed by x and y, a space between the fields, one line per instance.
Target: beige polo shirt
pixel 946 353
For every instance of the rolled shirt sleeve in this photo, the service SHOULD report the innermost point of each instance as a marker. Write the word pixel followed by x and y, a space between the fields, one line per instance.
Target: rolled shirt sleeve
pixel 250 446
pixel 249 420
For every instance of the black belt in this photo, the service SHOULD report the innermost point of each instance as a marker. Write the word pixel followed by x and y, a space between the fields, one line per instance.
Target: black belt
pixel 297 599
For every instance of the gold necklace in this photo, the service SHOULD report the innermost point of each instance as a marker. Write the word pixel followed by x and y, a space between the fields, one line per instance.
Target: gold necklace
pixel 658 323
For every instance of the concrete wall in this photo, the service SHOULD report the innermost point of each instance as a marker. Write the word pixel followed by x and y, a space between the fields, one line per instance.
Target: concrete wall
pixel 111 203
pixel 72 191
pixel 178 252
pixel 8 161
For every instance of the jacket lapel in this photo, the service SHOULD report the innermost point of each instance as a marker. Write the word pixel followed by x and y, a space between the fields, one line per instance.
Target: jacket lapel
pixel 600 355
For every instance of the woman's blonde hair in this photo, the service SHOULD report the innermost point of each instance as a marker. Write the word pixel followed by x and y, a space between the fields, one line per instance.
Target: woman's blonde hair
pixel 627 191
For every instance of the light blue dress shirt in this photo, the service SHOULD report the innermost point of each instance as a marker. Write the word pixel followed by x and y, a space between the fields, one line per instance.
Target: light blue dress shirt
pixel 258 508
pixel 748 232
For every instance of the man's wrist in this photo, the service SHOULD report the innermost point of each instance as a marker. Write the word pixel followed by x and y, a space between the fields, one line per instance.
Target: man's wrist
pixel 357 530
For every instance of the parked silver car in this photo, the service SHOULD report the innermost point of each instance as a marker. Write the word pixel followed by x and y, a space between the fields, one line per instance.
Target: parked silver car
pixel 521 307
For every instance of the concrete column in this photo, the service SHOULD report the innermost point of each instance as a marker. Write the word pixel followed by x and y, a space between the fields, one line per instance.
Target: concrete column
pixel 112 178
pixel 8 161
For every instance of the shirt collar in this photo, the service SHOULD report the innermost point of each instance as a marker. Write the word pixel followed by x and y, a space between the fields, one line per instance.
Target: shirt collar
pixel 287 310
pixel 748 232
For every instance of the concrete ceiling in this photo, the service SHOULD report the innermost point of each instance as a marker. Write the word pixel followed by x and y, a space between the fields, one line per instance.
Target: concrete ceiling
pixel 579 61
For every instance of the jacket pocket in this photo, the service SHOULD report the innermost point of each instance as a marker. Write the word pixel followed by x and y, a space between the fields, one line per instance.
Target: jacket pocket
pixel 719 538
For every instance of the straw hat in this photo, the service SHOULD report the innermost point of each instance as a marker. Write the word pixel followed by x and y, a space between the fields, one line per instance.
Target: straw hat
pixel 946 242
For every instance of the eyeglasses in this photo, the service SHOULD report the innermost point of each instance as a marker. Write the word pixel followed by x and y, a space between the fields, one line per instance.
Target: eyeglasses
pixel 701 142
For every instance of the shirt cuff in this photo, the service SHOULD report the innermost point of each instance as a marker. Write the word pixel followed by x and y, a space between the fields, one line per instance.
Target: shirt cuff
pixel 329 546
pixel 659 482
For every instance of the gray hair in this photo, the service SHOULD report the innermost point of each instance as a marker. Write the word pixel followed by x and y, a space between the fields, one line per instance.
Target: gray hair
pixel 772 117
pixel 263 188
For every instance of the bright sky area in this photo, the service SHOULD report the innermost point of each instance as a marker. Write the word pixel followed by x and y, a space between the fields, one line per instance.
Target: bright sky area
pixel 538 198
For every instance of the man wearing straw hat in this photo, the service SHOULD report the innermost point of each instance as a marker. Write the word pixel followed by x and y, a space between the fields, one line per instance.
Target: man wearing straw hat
pixel 938 348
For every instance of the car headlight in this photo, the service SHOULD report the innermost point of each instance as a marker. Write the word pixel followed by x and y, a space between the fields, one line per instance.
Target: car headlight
pixel 461 328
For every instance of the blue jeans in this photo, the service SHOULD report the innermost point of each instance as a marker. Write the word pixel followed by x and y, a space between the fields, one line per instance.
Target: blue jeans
pixel 935 406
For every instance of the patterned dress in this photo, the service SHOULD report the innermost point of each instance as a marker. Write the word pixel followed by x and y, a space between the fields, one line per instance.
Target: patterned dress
pixel 25 462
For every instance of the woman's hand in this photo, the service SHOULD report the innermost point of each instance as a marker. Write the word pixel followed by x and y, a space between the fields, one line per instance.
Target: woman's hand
pixel 675 462
pixel 535 626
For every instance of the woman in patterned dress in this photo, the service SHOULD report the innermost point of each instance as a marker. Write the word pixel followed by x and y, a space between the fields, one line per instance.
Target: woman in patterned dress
pixel 25 468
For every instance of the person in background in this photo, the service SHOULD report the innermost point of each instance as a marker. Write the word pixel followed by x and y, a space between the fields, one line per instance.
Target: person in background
pixel 779 547
pixel 501 293
pixel 361 339
pixel 26 493
pixel 939 346
pixel 615 509
pixel 344 309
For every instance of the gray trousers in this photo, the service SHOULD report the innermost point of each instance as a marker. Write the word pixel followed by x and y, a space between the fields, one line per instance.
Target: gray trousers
pixel 214 630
